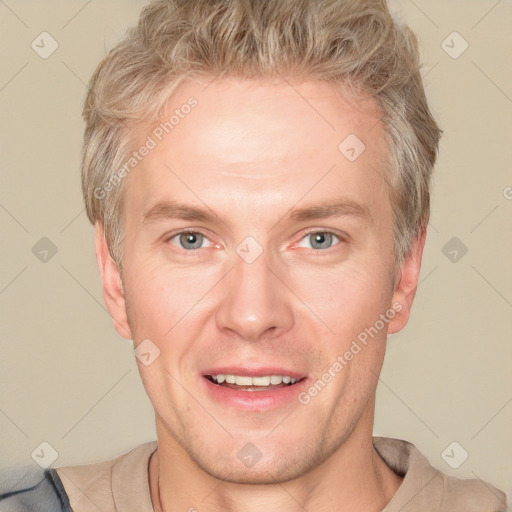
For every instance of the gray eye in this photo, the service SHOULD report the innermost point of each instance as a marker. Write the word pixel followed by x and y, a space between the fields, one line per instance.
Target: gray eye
pixel 191 240
pixel 321 240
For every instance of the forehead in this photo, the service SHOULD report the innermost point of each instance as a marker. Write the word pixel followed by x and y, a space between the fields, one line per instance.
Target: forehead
pixel 260 138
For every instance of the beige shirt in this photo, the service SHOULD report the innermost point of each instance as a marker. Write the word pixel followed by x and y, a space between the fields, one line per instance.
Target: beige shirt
pixel 122 484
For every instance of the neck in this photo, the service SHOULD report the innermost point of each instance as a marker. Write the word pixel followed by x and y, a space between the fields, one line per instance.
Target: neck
pixel 354 478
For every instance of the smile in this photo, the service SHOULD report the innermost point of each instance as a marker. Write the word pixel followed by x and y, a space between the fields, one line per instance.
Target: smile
pixel 248 383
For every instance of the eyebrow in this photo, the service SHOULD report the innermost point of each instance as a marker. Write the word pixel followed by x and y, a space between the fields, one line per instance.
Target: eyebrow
pixel 335 208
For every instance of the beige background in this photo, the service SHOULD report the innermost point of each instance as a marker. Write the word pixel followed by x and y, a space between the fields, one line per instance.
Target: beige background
pixel 68 379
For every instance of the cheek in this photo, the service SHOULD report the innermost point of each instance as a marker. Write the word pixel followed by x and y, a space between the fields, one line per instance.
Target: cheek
pixel 170 307
pixel 347 299
pixel 154 300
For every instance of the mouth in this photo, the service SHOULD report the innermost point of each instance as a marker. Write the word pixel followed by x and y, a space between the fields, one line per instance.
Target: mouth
pixel 253 383
pixel 251 389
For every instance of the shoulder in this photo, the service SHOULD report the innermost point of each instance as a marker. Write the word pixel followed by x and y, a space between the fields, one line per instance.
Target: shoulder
pixel 472 495
pixel 32 490
pixel 426 488
pixel 109 484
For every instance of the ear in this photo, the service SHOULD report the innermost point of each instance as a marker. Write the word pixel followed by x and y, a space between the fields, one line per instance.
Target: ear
pixel 406 284
pixel 113 293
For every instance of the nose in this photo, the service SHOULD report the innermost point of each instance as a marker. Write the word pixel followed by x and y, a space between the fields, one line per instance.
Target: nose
pixel 254 303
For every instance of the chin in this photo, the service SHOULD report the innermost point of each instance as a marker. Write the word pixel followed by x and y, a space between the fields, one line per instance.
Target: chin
pixel 261 462
pixel 262 473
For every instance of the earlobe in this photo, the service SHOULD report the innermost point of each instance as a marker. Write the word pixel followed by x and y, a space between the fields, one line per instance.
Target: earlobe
pixel 406 284
pixel 113 292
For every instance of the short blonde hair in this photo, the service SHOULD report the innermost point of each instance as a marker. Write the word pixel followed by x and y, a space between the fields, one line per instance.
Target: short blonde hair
pixel 355 45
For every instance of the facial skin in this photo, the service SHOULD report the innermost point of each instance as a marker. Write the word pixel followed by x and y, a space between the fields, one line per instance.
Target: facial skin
pixel 251 152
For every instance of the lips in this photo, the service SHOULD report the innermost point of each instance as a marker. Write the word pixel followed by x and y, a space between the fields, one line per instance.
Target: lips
pixel 255 397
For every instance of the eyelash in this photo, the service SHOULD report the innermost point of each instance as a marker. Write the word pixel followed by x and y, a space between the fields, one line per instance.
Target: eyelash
pixel 340 237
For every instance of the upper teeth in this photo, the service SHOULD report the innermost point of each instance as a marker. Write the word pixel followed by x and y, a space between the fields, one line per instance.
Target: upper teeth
pixel 253 381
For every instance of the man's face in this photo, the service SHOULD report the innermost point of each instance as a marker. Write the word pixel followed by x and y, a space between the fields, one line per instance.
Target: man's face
pixel 258 289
